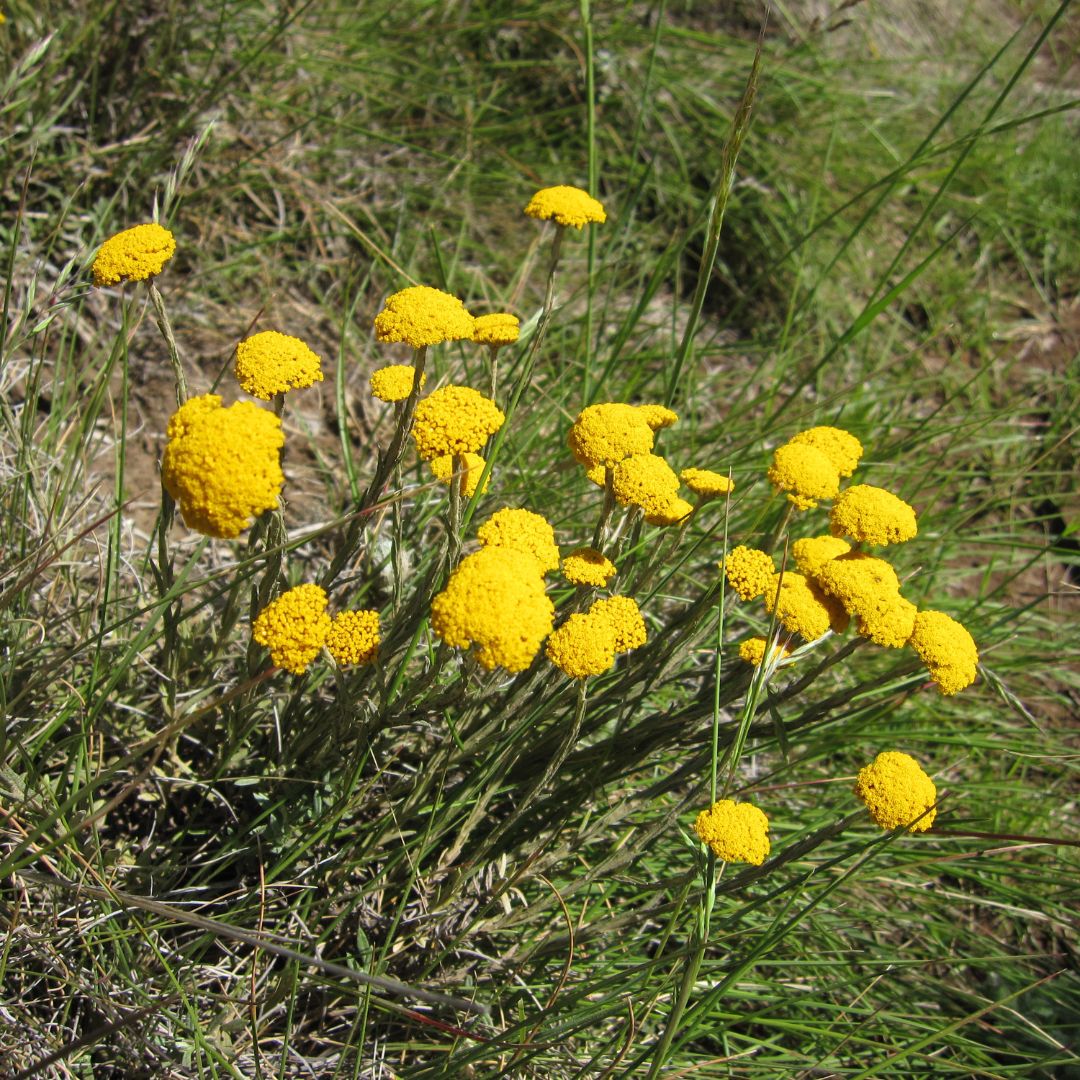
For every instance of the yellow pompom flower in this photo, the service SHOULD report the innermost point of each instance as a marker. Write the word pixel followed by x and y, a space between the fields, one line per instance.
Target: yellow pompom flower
pixel 752 650
pixel 802 607
pixel 947 650
pixel 133 255
pixel 222 465
pixel 859 581
pixel 749 571
pixel 672 513
pixel 565 205
pixel 896 791
pixel 394 382
pixel 645 480
pixel 271 363
pixel 443 469
pixel 872 515
pixel 584 645
pixel 805 473
pixel 605 434
pixel 659 417
pixel 839 446
pixel 495 603
pixel 499 329
pixel 421 315
pixel 812 552
pixel 734 832
pixel 888 623
pixel 587 566
pixel 353 637
pixel 522 530
pixel 623 615
pixel 454 420
pixel 707 484
pixel 294 627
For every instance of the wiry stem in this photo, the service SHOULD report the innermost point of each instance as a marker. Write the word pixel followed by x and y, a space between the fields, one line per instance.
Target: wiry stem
pixel 163 324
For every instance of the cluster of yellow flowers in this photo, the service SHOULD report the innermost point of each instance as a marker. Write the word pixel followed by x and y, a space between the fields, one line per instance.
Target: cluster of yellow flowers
pixel 587 642
pixel 136 254
pixel 271 363
pixel 296 627
pixel 834 581
pixel 614 442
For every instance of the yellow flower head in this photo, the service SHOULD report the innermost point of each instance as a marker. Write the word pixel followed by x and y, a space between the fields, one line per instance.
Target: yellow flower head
pixel 522 530
pixel 587 566
pixel 645 480
pixel 293 627
pixel 501 328
pixel 707 484
pixel 354 637
pixel 394 382
pixel 597 474
pixel 896 791
pixel 443 468
pixel 623 615
pixel 495 602
pixel 805 473
pixel 947 650
pixel 658 417
pixel 584 645
pixel 605 434
pixel 421 315
pixel 133 255
pixel 222 466
pixel 672 513
pixel 813 552
pixel 839 446
pixel 749 571
pixel 735 832
pixel 270 363
pixel 802 607
pixel 859 581
pixel 454 420
pixel 752 650
pixel 888 623
pixel 565 205
pixel 872 515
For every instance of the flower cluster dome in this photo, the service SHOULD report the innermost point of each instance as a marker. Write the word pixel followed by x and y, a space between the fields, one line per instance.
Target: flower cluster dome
pixel 624 617
pixel 495 603
pixel 294 627
pixel 752 650
pixel 605 434
pixel 270 363
pixel 749 571
pixel 658 417
pixel 802 607
pixel 222 465
pixel 522 530
pixel 394 382
pixel 872 515
pixel 839 446
pixel 896 792
pixel 454 420
pixel 582 646
pixel 734 832
pixel 947 650
pixel 442 468
pixel 672 513
pixel 498 329
pixel 645 480
pixel 706 483
pixel 587 566
pixel 135 254
pixel 422 316
pixel 805 473
pixel 565 205
pixel 353 638
pixel 811 553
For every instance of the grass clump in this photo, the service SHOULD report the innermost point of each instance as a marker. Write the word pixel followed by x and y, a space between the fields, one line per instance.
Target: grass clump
pixel 515 727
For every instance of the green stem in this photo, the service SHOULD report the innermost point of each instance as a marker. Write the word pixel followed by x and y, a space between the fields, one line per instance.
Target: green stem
pixel 600 533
